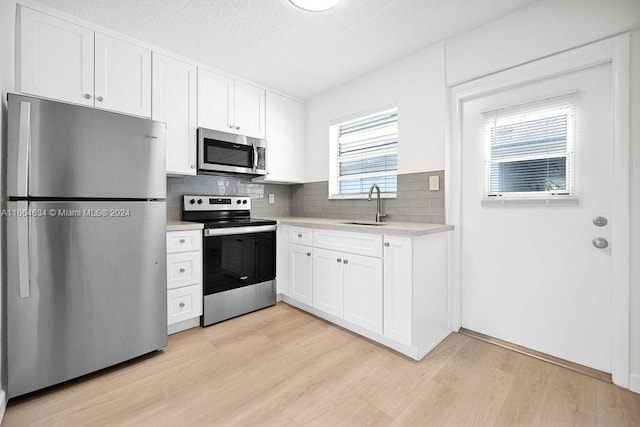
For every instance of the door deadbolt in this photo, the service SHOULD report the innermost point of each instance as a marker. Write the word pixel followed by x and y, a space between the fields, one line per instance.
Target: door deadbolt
pixel 600 221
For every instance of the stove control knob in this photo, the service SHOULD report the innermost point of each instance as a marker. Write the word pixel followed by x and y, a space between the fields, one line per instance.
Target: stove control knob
pixel 192 201
pixel 199 201
pixel 244 202
pixel 238 201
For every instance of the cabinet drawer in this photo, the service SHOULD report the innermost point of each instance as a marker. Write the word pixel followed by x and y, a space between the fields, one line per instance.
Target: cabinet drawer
pixel 184 303
pixel 182 241
pixel 184 269
pixel 301 235
pixel 344 241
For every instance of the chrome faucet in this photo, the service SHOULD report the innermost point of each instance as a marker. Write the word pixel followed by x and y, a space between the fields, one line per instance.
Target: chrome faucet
pixel 379 215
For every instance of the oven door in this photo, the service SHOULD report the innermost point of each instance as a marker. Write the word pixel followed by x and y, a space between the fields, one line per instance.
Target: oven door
pixel 238 256
pixel 230 153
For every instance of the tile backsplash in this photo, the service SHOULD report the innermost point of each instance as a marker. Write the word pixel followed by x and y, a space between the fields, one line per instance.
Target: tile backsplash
pixel 414 201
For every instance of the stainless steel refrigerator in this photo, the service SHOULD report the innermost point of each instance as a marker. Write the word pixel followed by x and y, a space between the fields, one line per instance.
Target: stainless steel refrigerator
pixel 86 262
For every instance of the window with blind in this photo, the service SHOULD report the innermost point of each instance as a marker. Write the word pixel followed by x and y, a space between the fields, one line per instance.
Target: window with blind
pixel 364 151
pixel 528 154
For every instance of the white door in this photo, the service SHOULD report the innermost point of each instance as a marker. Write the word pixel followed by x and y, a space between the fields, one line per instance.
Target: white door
pixel 249 110
pixel 175 103
pixel 123 76
pixel 530 273
pixel 56 58
pixel 398 289
pixel 301 273
pixel 284 123
pixel 363 291
pixel 327 281
pixel 215 101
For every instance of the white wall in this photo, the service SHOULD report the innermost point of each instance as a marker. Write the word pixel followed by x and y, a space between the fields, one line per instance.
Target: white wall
pixel 7 43
pixel 417 84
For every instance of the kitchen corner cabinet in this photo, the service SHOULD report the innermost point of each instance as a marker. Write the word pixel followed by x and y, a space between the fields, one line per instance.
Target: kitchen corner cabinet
pixel 229 105
pixel 60 60
pixel 184 279
pixel 174 103
pixel 391 289
pixel 285 139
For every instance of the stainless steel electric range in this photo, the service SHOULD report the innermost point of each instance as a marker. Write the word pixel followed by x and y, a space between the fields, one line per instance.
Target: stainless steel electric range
pixel 239 256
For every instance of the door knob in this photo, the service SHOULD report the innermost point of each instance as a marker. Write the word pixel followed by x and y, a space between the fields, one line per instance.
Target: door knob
pixel 600 242
pixel 600 221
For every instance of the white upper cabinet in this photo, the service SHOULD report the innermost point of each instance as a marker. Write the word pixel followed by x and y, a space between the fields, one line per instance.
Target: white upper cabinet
pixel 285 139
pixel 175 103
pixel 229 105
pixel 122 76
pixel 55 59
pixel 61 60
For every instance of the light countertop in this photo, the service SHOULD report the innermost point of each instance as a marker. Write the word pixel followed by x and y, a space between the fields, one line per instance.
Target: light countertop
pixel 397 228
pixel 184 225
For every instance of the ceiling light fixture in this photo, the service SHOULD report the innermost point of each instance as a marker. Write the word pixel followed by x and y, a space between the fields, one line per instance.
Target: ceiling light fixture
pixel 315 5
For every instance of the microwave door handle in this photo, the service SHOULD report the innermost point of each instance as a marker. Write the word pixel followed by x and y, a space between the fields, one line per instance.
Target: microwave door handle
pixel 255 156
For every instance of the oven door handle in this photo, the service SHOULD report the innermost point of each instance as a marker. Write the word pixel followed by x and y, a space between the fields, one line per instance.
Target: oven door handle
pixel 238 230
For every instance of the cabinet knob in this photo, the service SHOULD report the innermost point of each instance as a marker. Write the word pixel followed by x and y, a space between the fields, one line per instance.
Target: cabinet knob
pixel 386 244
pixel 87 96
pixel 339 260
pixel 181 304
pixel 346 261
pixel 308 253
pixel 230 126
pixel 99 99
pixel 181 240
pixel 299 234
pixel 182 270
pixel 237 127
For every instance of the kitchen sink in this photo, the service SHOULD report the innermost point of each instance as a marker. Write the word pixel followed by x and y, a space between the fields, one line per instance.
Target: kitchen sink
pixel 375 224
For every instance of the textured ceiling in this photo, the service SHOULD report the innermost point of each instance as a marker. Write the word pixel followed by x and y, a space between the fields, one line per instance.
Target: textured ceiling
pixel 285 48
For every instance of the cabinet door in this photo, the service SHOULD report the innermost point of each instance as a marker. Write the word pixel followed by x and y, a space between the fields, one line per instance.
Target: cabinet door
pixel 363 291
pixel 327 281
pixel 398 285
pixel 174 103
pixel 249 110
pixel 284 134
pixel 55 58
pixel 215 101
pixel 123 76
pixel 300 273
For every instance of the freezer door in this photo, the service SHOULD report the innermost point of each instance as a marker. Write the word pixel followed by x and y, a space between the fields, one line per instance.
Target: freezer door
pixel 62 150
pixel 96 292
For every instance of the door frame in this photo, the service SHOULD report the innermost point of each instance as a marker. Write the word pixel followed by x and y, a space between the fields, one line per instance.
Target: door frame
pixel 614 51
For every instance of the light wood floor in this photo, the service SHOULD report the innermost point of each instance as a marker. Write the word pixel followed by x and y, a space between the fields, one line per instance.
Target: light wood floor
pixel 283 367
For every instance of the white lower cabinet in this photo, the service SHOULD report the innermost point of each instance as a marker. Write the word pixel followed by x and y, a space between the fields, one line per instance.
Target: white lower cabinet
pixel 184 279
pixel 300 273
pixel 391 289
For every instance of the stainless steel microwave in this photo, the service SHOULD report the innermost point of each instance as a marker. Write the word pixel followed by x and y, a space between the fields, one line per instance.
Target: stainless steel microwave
pixel 228 153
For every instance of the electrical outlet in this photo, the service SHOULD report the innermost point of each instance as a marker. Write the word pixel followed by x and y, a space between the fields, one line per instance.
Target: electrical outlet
pixel 434 183
pixel 272 199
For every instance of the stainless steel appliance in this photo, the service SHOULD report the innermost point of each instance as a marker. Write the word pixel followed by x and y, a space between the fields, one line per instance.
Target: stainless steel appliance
pixel 228 153
pixel 239 256
pixel 86 271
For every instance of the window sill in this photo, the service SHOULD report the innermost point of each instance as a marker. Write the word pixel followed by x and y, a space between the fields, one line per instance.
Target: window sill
pixel 361 196
pixel 531 201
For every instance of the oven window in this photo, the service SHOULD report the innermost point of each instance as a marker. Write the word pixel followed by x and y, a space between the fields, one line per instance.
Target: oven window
pixel 238 260
pixel 227 153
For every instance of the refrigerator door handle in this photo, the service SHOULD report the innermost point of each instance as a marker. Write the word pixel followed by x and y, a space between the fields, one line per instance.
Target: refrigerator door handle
pixel 24 141
pixel 23 249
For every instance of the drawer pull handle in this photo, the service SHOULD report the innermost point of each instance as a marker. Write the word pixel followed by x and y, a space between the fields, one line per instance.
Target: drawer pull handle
pixel 182 241
pixel 299 234
pixel 181 304
pixel 244 277
pixel 386 244
pixel 339 260
pixel 182 270
pixel 346 261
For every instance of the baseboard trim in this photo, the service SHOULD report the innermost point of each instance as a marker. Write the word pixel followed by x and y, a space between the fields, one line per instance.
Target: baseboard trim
pixel 634 382
pixel 594 373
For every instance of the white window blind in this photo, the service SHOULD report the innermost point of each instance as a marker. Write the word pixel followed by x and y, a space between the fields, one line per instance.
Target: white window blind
pixel 364 151
pixel 529 154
